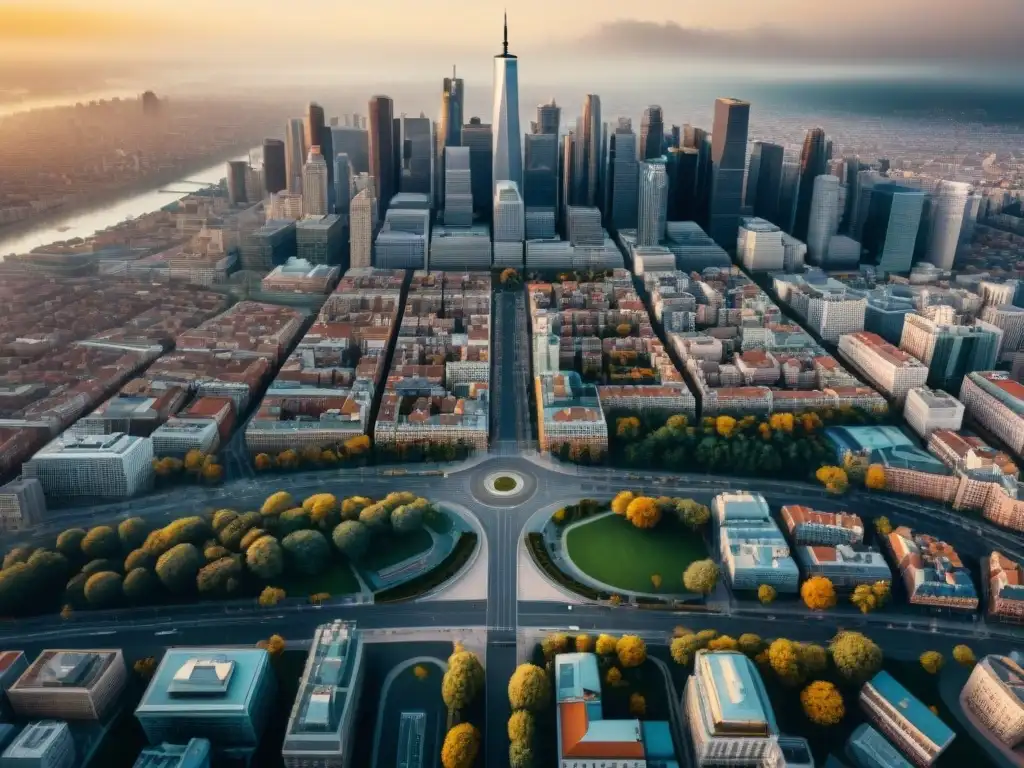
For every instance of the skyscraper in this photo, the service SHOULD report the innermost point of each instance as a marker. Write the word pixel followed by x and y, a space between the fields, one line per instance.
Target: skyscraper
pixel 566 162
pixel 681 166
pixel 236 181
pixel 313 125
pixel 890 227
pixel 823 216
pixel 382 148
pixel 652 132
pixel 728 161
pixel 417 150
pixel 540 176
pixel 342 183
pixel 588 153
pixel 789 189
pixel 477 137
pixel 327 150
pixel 509 218
pixel 294 154
pixel 506 153
pixel 813 163
pixel 623 177
pixel 853 168
pixel 275 175
pixel 652 202
pixel 549 118
pixel 948 206
pixel 702 143
pixel 449 127
pixel 764 181
pixel 458 189
pixel 354 142
pixel 363 221
pixel 314 184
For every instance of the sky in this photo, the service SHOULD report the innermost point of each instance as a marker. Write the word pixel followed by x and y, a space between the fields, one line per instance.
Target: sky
pixel 257 38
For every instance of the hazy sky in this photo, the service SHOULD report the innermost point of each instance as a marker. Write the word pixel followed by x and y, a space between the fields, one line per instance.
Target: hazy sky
pixel 283 35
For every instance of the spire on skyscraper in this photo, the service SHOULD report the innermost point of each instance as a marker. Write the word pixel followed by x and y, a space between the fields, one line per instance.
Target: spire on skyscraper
pixel 504 44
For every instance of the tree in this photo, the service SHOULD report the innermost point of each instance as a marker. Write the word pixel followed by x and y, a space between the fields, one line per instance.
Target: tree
pixel 621 502
pixel 98 566
pixel 637 705
pixel 306 552
pixel 74 590
pixel 377 517
pixel 785 660
pixel 222 577
pixel 132 533
pixel 856 657
pixel 684 648
pixel 140 586
pixel 766 594
pixel 222 518
pixel 528 688
pixel 185 530
pixel 725 426
pixel 271 596
pixel 613 676
pixel 251 537
pixel 833 478
pixel 277 503
pixel 882 526
pixel 822 703
pixel 69 543
pixel 322 499
pixel 194 460
pixel 627 428
pixel 103 590
pixel 178 566
pixel 352 539
pixel 605 645
pixel 750 644
pixel 623 329
pixel 420 672
pixel 631 651
pixel 584 644
pixel 643 512
pixel 701 577
pixel 407 518
pixel 813 658
pixel 460 748
pixel 231 535
pixel 705 636
pixel 964 656
pixel 521 727
pixel 17 555
pixel 462 680
pixel 265 558
pixel 932 662
pixel 291 520
pixel 509 278
pixel 723 643
pixel 263 462
pixel 875 477
pixel 656 581
pixel 274 645
pixel 145 668
pixel 692 514
pixel 213 473
pixel 101 542
pixel 818 593
pixel 48 571
pixel 520 755
pixel 139 558
pixel 554 644
pixel 351 507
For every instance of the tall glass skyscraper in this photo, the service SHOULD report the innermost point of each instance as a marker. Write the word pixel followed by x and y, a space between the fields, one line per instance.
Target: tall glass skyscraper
pixel 417 162
pixel 382 149
pixel 764 181
pixel 506 150
pixel 342 183
pixel 314 184
pixel 890 227
pixel 313 124
pixel 449 126
pixel 294 154
pixel 681 165
pixel 541 172
pixel 652 202
pixel 813 163
pixel 275 174
pixel 478 137
pixel 823 218
pixel 948 206
pixel 588 153
pixel 652 132
pixel 354 142
pixel 728 163
pixel 623 176
pixel 549 118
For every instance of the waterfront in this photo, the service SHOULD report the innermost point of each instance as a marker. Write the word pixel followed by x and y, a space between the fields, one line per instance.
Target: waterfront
pixel 87 220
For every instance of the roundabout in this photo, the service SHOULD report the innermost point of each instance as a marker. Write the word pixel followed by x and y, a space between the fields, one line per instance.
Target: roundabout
pixel 500 487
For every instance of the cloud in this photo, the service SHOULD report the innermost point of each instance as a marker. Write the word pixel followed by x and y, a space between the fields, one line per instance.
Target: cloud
pixel 978 38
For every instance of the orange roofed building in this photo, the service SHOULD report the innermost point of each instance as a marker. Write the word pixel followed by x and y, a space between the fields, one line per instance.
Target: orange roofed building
pixel 586 738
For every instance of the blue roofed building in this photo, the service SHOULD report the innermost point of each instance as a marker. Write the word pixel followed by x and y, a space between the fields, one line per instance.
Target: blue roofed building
pixel 46 743
pixel 796 752
pixel 846 565
pixel 320 727
pixel 194 754
pixel 867 748
pixel 751 547
pixel 220 694
pixel 728 713
pixel 586 738
pixel 740 508
pixel 886 445
pixel 932 571
pixel 913 728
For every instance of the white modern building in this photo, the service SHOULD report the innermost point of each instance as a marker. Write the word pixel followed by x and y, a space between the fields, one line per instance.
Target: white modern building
pixel 509 221
pixel 180 435
pixel 760 246
pixel 949 202
pixel 652 207
pixel 22 504
pixel 1010 320
pixel 929 409
pixel 314 184
pixel 889 369
pixel 824 218
pixel 996 401
pixel 506 146
pixel 116 465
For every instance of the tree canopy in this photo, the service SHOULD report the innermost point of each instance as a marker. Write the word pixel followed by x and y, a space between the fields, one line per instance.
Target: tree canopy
pixel 529 688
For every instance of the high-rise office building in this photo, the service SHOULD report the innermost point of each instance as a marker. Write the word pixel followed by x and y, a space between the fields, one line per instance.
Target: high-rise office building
pixel 540 180
pixel 950 351
pixel 652 132
pixel 449 127
pixel 567 159
pixel 702 143
pixel 327 150
pixel 275 174
pixel 728 163
pixel 506 153
pixel 852 179
pixel 623 177
pixel 294 154
pixel 236 181
pixel 789 190
pixel 458 189
pixel 813 164
pixel 948 205
pixel 549 118
pixel 509 214
pixel 314 184
pixel 588 153
pixel 417 151
pixel 362 223
pixel 890 228
pixel 478 138
pixel 681 164
pixel 764 181
pixel 382 148
pixel 355 143
pixel 313 125
pixel 824 217
pixel 652 206
pixel 342 183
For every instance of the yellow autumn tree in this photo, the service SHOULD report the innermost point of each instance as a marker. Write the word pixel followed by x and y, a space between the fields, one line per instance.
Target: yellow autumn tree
pixel 605 645
pixel 766 593
pixel 263 462
pixel 822 703
pixel 584 643
pixel 643 512
pixel 875 477
pixel 613 676
pixel 932 662
pixel 724 643
pixel 725 426
pixel 637 705
pixel 882 526
pixel 621 502
pixel 781 422
pixel 656 580
pixel 834 479
pixel 461 745
pixel 964 656
pixel 631 650
pixel 818 593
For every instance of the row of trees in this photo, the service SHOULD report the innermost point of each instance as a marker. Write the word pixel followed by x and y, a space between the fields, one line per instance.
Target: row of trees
pixel 225 554
pixel 196 467
pixel 647 511
pixel 355 451
pixel 838 479
pixel 461 687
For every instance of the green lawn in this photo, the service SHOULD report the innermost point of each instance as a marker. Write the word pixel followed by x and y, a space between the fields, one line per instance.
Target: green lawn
pixel 337 580
pixel 615 552
pixel 504 484
pixel 385 551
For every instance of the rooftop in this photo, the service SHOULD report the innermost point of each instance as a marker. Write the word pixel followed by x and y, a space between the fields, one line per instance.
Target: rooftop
pixel 219 679
pixel 922 718
pixel 66 669
pixel 738 701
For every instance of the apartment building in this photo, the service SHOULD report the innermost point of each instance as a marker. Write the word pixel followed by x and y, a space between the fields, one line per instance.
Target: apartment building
pixel 932 571
pixel 667 400
pixel 70 685
pixel 1010 320
pixel 753 550
pixel 104 466
pixel 918 733
pixel 22 505
pixel 828 306
pixel 1005 579
pixel 889 369
pixel 569 413
pixel 263 330
pixel 996 402
pixel 949 351
pixel 993 698
pixel 845 565
pixel 180 435
pixel 927 410
pixel 808 526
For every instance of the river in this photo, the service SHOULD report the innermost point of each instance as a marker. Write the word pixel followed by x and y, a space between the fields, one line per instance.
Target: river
pixel 85 221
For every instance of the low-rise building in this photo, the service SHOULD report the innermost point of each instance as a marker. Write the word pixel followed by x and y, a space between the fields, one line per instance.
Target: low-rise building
pixel 1005 587
pixel 321 725
pixel 996 401
pixel 70 685
pixel 932 571
pixel 867 748
pixel 45 744
pixel 135 415
pixel 918 733
pixel 845 565
pixel 929 409
pixel 195 754
pixel 93 465
pixel 569 413
pixel 993 699
pixel 22 504
pixel 888 368
pixel 301 277
pixel 808 526
pixel 753 550
pixel 179 436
